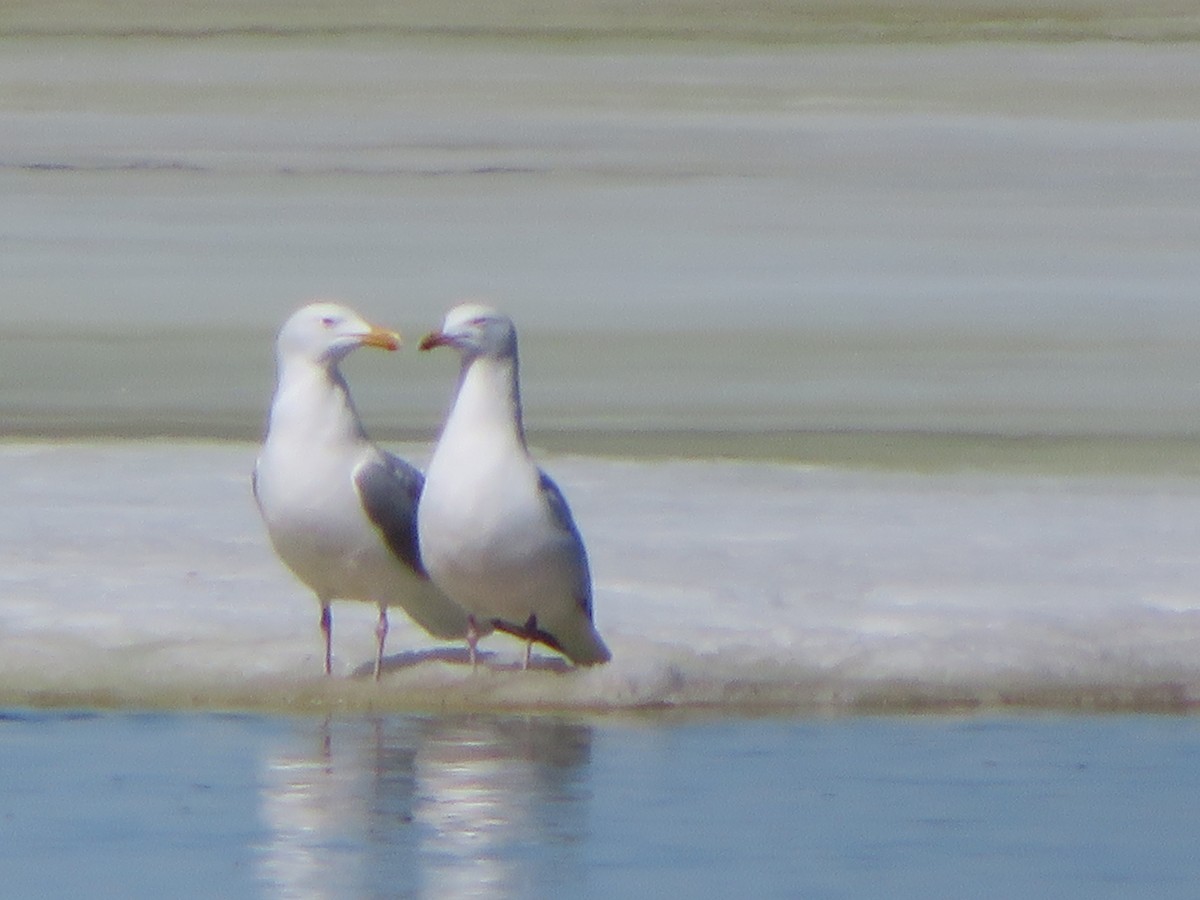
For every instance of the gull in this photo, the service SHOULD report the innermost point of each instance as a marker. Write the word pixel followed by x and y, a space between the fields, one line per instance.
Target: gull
pixel 340 512
pixel 496 533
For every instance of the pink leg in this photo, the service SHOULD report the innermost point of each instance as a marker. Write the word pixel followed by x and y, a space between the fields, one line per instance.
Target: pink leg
pixel 472 640
pixel 327 632
pixel 381 630
pixel 530 630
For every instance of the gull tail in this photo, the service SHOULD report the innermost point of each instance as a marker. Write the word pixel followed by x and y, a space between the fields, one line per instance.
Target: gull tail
pixel 583 646
pixel 588 649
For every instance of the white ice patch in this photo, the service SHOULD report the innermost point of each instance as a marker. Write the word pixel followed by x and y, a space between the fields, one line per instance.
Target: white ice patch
pixel 138 574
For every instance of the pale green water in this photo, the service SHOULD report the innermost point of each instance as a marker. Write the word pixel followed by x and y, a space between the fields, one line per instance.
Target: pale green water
pixel 897 253
pixel 924 402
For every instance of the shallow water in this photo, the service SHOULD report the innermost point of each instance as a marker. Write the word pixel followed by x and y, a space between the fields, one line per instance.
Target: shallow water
pixel 487 806
pixel 948 237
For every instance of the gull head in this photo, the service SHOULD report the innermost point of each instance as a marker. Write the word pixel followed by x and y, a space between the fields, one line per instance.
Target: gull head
pixel 475 330
pixel 323 333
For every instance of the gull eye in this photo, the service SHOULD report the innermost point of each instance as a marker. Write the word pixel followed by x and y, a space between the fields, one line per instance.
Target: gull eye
pixel 328 321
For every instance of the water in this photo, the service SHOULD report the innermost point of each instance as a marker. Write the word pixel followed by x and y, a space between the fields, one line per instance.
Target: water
pixel 862 340
pixel 709 235
pixel 486 806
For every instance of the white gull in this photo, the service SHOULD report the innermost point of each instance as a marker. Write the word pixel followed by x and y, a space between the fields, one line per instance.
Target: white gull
pixel 496 533
pixel 340 512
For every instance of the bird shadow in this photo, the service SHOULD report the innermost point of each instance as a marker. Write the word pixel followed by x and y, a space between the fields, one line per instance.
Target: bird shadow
pixel 409 659
pixel 536 664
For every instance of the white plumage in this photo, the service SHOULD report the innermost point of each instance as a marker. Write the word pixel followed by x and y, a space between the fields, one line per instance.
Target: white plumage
pixel 496 533
pixel 340 512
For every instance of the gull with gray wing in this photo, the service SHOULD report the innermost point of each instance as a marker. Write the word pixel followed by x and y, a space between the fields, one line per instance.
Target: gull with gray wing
pixel 340 512
pixel 496 533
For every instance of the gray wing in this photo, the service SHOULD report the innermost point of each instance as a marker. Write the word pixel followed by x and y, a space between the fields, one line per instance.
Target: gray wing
pixel 561 514
pixel 390 490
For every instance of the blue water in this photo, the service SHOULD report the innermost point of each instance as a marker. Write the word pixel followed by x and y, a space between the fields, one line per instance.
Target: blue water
pixel 203 806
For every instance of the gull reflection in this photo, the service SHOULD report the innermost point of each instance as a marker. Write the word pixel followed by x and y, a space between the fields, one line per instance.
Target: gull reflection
pixel 460 806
